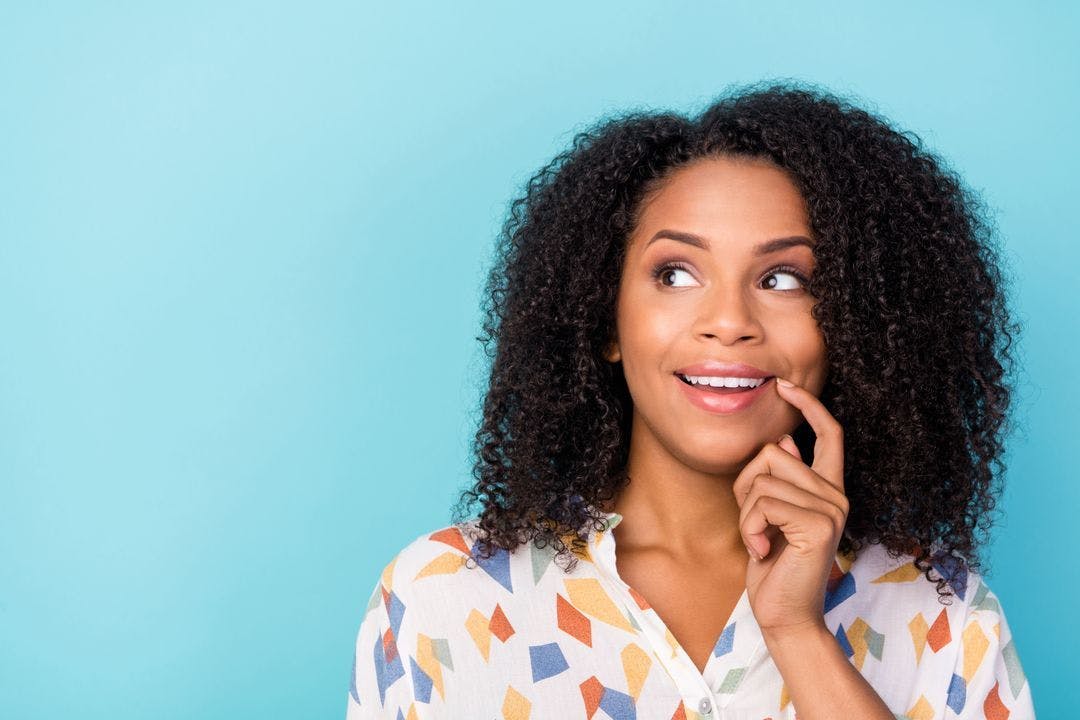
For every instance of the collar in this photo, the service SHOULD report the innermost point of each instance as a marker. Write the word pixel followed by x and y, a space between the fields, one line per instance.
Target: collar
pixel 612 520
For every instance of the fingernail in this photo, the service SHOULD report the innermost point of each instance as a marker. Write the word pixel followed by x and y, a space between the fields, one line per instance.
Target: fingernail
pixel 785 383
pixel 782 438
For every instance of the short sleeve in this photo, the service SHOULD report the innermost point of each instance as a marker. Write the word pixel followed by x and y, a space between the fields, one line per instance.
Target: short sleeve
pixel 988 681
pixel 378 688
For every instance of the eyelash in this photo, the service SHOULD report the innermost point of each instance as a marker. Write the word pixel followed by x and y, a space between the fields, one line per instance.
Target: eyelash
pixel 664 267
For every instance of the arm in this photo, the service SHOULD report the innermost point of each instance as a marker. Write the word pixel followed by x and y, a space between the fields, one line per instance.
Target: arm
pixel 823 682
pixel 988 680
pixel 364 701
pixel 378 686
pixel 788 573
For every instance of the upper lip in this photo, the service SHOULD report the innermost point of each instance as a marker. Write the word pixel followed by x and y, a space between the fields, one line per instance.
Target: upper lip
pixel 715 368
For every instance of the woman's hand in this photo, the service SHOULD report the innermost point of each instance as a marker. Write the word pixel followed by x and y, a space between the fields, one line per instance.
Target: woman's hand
pixel 804 509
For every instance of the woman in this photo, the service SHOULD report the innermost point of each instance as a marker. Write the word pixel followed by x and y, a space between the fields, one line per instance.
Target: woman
pixel 748 385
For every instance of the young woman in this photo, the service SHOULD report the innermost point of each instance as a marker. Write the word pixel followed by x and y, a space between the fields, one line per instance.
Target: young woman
pixel 749 384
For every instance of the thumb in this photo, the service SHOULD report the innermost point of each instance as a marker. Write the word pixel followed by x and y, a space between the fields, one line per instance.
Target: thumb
pixel 788 444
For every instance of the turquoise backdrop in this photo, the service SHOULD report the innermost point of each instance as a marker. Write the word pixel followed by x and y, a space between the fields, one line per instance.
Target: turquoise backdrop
pixel 241 254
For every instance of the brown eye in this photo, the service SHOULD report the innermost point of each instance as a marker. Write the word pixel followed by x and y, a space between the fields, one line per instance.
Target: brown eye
pixel 784 270
pixel 662 271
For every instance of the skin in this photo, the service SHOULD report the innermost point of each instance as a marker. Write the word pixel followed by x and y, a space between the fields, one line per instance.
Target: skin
pixel 684 461
pixel 718 503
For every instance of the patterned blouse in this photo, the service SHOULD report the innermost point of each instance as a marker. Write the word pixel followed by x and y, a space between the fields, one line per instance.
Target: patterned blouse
pixel 515 637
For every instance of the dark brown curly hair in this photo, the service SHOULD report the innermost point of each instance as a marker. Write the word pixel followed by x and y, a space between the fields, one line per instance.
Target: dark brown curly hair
pixel 910 303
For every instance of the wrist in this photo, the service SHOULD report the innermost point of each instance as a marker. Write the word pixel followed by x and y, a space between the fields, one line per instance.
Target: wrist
pixel 797 634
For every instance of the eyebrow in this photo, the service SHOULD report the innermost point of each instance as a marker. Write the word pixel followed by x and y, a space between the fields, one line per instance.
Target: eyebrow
pixel 765 248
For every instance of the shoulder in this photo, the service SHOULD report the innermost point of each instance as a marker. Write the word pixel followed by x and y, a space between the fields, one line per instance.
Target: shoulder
pixel 917 648
pixel 429 561
pixel 882 585
pixel 885 592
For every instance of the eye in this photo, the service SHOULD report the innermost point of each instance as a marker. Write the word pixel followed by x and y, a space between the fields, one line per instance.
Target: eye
pixel 673 267
pixel 785 270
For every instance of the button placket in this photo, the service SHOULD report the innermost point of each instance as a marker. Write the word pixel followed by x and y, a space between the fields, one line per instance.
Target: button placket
pixel 682 670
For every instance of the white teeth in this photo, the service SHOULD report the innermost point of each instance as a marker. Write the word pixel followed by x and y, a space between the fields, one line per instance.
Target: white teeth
pixel 724 381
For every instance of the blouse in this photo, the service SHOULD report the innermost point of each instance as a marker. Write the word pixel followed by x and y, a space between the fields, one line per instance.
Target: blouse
pixel 516 637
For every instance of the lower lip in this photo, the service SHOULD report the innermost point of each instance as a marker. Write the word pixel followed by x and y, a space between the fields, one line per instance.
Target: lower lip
pixel 722 403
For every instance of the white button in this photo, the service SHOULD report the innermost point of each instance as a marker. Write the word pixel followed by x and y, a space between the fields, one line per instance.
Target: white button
pixel 705 707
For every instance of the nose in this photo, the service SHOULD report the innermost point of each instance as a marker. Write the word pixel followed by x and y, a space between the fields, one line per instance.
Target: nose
pixel 727 313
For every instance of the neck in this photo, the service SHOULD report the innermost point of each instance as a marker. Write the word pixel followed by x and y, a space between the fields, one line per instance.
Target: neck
pixel 668 505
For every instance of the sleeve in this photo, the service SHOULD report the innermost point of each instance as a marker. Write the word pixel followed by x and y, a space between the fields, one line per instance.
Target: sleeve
pixel 988 680
pixel 378 687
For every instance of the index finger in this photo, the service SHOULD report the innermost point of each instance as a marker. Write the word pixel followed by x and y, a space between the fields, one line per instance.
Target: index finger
pixel 829 434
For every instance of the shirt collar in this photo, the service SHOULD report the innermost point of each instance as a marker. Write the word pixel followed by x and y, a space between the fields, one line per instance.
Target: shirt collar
pixel 612 520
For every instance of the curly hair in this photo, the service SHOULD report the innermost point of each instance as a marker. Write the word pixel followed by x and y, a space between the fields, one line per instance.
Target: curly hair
pixel 910 303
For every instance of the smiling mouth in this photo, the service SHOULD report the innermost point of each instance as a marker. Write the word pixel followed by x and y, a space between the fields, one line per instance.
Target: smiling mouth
pixel 723 390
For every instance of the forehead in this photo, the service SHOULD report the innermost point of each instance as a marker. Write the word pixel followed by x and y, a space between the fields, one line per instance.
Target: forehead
pixel 726 198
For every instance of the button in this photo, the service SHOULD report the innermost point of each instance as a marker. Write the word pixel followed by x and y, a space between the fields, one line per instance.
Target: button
pixel 705 706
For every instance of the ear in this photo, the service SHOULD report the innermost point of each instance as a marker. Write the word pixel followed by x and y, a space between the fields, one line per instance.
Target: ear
pixel 613 354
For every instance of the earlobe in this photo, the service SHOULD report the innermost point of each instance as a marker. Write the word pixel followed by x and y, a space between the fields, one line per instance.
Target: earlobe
pixel 613 355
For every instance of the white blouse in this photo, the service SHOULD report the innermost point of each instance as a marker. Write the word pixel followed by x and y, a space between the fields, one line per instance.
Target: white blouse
pixel 519 638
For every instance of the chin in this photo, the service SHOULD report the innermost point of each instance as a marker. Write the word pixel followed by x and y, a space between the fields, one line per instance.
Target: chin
pixel 720 459
pixel 729 441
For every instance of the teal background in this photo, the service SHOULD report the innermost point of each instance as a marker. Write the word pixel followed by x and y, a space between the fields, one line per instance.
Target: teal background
pixel 241 255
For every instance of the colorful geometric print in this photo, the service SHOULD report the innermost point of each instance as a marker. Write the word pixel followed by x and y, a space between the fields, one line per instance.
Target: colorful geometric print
pixel 515 637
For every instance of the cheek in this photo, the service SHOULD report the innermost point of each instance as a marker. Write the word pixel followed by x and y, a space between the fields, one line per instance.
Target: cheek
pixel 646 340
pixel 802 341
pixel 810 354
pixel 651 336
pixel 803 328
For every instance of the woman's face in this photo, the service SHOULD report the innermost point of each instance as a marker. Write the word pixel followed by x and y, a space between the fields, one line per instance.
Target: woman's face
pixel 717 298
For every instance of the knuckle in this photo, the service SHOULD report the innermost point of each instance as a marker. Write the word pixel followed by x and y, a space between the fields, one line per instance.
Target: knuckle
pixel 747 505
pixel 765 485
pixel 736 487
pixel 825 527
